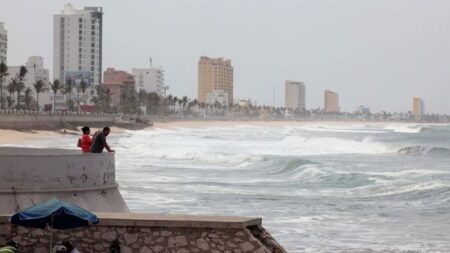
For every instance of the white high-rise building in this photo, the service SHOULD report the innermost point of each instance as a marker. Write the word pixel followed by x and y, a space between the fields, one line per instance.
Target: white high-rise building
pixel 3 43
pixel 77 46
pixel 149 79
pixel 295 95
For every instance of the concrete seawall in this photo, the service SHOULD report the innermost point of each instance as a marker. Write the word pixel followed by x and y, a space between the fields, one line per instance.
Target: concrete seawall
pixel 29 176
pixel 148 233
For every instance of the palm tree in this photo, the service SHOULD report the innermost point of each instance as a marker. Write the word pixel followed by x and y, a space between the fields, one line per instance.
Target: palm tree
pixel 38 87
pixel 20 85
pixel 55 87
pixel 3 74
pixel 68 90
pixel 83 87
pixel 28 98
pixel 11 88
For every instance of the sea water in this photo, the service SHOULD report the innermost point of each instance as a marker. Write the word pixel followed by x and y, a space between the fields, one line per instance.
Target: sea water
pixel 318 187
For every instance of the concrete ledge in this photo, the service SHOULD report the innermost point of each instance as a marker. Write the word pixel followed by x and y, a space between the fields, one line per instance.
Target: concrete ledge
pixel 171 221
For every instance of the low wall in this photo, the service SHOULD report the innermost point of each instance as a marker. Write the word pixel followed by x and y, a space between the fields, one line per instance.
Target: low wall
pixel 148 233
pixel 30 175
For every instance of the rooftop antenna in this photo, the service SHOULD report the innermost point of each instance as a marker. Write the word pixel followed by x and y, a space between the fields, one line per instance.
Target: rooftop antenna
pixel 273 96
pixel 151 63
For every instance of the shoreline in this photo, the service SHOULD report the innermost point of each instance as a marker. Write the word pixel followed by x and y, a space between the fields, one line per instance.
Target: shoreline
pixel 17 136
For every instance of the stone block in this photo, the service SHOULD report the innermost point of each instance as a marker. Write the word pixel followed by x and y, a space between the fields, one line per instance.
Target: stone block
pixel 5 229
pixel 202 244
pixel 178 241
pixel 145 249
pixel 157 248
pixel 22 230
pixel 40 250
pixel 37 232
pixel 125 249
pixel 239 234
pixel 99 247
pixel 166 233
pixel 130 238
pixel 246 246
pixel 109 236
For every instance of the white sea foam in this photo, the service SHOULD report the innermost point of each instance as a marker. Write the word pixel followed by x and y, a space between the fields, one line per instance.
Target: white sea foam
pixel 410 129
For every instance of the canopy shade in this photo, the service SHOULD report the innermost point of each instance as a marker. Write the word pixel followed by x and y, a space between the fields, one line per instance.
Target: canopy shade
pixel 54 213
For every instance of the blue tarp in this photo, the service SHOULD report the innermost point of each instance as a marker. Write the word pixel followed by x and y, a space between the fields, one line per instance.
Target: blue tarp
pixel 56 213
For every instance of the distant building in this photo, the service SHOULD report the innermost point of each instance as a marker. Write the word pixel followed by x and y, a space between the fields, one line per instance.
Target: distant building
pixel 331 101
pixel 362 110
pixel 118 82
pixel 214 74
pixel 150 80
pixel 3 43
pixel 77 45
pixel 295 95
pixel 218 96
pixel 418 108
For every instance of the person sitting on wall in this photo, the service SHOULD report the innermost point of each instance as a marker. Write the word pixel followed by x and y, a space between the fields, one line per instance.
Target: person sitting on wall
pixel 70 248
pixel 85 141
pixel 10 247
pixel 99 141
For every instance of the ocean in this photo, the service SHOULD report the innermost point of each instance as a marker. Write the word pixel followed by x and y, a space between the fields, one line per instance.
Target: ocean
pixel 319 187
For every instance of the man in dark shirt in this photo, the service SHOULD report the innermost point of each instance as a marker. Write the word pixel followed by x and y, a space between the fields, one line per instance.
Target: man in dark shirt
pixel 99 141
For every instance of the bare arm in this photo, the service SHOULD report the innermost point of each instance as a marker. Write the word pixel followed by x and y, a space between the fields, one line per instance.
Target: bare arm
pixel 107 147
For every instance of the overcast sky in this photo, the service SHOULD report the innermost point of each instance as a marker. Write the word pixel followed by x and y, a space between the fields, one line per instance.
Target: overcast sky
pixel 374 53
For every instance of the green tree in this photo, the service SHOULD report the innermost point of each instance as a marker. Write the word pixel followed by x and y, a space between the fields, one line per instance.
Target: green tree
pixel 68 91
pixel 3 74
pixel 38 88
pixel 28 98
pixel 83 87
pixel 55 87
pixel 20 86
pixel 11 88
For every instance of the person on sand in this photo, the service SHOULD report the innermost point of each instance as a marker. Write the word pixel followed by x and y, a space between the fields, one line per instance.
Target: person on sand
pixel 99 141
pixel 85 141
pixel 70 248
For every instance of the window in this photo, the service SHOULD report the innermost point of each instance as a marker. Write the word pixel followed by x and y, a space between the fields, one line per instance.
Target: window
pixel 80 20
pixel 93 51
pixel 81 26
pixel 92 44
pixel 93 33
pixel 92 69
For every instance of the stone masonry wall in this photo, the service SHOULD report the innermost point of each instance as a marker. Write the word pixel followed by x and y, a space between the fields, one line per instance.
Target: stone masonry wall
pixel 132 239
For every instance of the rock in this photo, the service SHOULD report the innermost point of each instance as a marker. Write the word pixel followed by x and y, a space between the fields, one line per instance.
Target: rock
pixel 22 230
pixel 135 245
pixel 96 235
pixel 99 247
pixel 166 233
pixel 79 234
pixel 182 250
pixel 178 241
pixel 231 245
pixel 37 232
pixel 40 250
pixel 63 236
pixel 145 250
pixel 246 246
pixel 156 233
pixel 261 250
pixel 125 249
pixel 239 234
pixel 202 244
pixel 5 229
pixel 145 230
pixel 237 251
pixel 109 236
pixel 157 248
pixel 121 231
pixel 212 235
pixel 130 238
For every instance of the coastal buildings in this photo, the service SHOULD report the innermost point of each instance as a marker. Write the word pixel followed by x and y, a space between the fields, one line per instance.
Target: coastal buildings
pixel 77 45
pixel 214 74
pixel 295 95
pixel 35 72
pixel 418 108
pixel 119 82
pixel 331 100
pixel 3 43
pixel 150 79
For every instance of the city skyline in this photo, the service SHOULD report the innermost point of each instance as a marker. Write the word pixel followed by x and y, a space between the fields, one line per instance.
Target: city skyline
pixel 383 71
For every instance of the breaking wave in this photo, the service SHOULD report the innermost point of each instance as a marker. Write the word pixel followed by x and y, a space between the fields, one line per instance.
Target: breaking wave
pixel 421 150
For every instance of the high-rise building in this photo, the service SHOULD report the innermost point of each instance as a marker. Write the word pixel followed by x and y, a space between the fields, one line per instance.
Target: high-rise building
pixel 214 74
pixel 295 95
pixel 3 43
pixel 331 101
pixel 77 45
pixel 418 108
pixel 150 79
pixel 118 82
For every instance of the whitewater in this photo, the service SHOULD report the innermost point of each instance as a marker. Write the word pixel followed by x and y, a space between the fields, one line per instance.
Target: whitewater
pixel 318 187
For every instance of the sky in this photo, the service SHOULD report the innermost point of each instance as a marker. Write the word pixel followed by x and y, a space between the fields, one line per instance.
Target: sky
pixel 373 53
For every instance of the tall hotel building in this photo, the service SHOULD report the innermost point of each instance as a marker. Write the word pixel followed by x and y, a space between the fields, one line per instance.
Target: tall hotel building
pixel 331 101
pixel 3 43
pixel 295 95
pixel 215 76
pixel 418 108
pixel 77 45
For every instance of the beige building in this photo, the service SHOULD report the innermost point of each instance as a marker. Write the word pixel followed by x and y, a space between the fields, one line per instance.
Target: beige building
pixel 295 95
pixel 418 108
pixel 331 101
pixel 214 74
